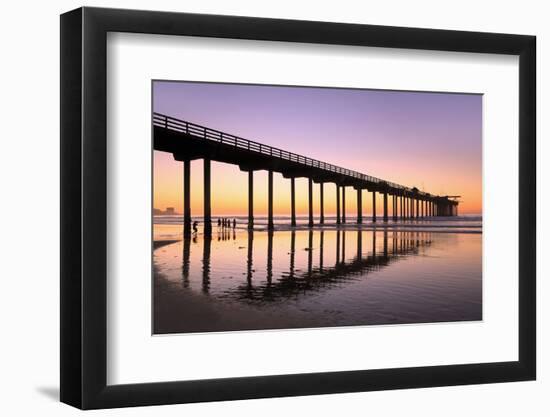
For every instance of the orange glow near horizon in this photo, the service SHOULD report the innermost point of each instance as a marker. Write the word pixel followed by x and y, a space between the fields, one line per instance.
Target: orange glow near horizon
pixel 230 188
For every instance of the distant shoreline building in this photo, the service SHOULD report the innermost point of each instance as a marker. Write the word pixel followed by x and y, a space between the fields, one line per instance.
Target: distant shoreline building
pixel 170 211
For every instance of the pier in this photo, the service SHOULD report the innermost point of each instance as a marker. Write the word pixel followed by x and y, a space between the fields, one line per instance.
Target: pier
pixel 188 141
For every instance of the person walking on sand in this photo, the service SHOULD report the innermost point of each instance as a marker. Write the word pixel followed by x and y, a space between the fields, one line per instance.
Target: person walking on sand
pixel 195 229
pixel 234 223
pixel 219 222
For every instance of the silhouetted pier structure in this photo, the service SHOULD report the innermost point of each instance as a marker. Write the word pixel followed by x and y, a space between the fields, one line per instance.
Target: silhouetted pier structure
pixel 188 141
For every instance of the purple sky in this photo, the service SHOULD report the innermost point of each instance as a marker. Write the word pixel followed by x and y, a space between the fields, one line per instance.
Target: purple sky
pixel 428 140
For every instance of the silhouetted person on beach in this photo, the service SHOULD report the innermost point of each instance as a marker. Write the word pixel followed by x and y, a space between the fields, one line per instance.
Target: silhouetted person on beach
pixel 219 222
pixel 195 229
pixel 234 223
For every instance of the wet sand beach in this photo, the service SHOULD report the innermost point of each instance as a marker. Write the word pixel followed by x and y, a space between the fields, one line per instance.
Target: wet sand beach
pixel 320 277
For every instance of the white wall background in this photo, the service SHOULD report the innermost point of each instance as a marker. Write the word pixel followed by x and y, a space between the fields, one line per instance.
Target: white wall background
pixel 29 296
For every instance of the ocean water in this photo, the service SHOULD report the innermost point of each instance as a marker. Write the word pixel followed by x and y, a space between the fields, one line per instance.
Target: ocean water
pixel 416 271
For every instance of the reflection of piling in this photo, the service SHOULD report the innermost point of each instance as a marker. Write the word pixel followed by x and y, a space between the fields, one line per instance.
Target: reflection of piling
pixel 310 253
pixel 185 266
pixel 249 259
pixel 269 257
pixel 207 242
pixel 187 198
pixel 343 246
pixel 337 246
pixel 321 249
pixel 292 252
pixel 359 244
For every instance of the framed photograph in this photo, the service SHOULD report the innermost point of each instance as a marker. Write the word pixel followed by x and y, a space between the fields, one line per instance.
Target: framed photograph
pixel 257 208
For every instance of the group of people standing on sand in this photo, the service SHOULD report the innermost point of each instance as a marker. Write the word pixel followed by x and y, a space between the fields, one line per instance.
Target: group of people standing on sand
pixel 222 222
pixel 225 222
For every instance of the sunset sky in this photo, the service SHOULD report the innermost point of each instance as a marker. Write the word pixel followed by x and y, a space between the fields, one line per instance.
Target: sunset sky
pixel 428 140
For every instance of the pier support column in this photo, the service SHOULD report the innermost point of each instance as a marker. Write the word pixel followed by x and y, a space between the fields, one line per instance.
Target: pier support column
pixel 292 202
pixel 207 199
pixel 337 204
pixel 374 206
pixel 270 225
pixel 250 199
pixel 187 198
pixel 385 206
pixel 359 206
pixel 394 211
pixel 401 206
pixel 310 193
pixel 321 203
pixel 417 205
pixel 343 204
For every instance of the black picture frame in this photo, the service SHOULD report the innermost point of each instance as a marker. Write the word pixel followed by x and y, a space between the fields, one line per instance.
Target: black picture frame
pixel 84 207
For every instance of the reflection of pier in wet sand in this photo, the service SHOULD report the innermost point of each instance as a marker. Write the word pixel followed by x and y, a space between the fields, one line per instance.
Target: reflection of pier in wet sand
pixel 246 280
pixel 260 286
